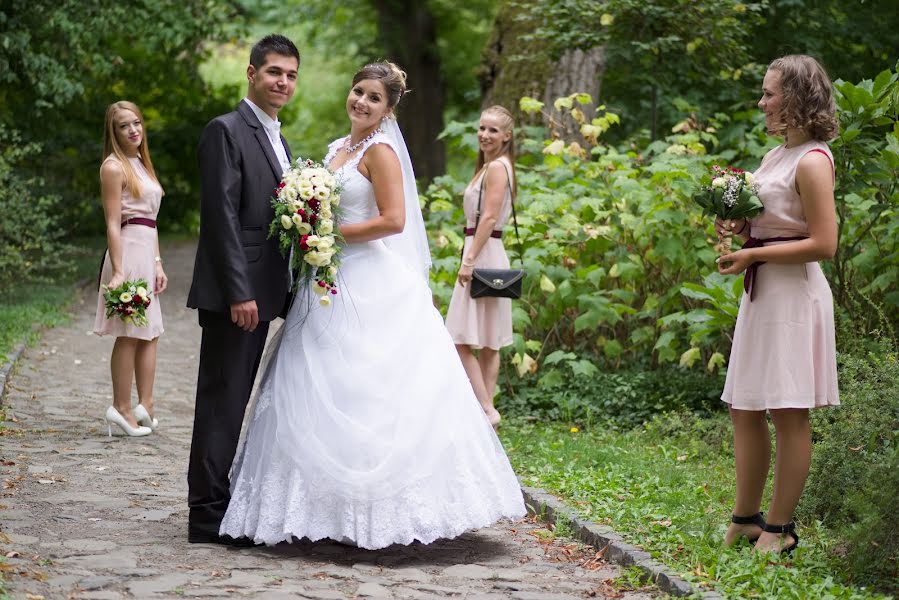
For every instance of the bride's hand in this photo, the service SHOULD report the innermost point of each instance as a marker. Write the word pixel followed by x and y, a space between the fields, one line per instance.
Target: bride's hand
pixel 465 274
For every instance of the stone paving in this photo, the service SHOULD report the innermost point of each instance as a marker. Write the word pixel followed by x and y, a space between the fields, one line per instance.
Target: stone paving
pixel 86 516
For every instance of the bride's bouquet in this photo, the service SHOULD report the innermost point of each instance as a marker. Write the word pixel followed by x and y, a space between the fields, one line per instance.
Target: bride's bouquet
pixel 128 301
pixel 729 193
pixel 306 202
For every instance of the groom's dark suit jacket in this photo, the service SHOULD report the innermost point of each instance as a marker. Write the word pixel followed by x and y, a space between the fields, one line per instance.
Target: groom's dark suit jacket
pixel 235 259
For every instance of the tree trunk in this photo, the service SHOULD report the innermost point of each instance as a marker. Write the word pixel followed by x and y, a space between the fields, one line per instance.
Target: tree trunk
pixel 409 36
pixel 512 68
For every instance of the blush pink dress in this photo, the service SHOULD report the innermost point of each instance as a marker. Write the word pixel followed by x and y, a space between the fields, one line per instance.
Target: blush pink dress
pixel 482 322
pixel 139 246
pixel 784 350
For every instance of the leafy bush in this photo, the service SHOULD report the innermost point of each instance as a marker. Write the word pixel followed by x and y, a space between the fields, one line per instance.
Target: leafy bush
pixel 623 398
pixel 854 481
pixel 31 237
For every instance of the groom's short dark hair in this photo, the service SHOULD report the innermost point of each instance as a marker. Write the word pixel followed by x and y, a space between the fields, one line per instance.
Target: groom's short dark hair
pixel 272 43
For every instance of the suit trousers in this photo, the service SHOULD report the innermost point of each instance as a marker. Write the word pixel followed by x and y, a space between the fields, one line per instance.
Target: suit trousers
pixel 229 360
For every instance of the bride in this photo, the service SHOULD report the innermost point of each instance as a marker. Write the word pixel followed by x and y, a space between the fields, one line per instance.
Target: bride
pixel 365 429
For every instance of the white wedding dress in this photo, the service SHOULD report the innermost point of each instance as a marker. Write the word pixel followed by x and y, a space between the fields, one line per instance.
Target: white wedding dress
pixel 365 428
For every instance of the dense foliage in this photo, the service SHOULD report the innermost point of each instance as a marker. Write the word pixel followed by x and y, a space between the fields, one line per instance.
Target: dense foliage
pixel 61 64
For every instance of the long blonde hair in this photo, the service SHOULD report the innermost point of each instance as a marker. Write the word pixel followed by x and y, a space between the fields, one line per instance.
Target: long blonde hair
pixel 507 121
pixel 111 146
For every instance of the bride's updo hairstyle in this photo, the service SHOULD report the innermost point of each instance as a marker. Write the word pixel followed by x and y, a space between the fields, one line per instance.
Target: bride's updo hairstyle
pixel 507 123
pixel 391 76
pixel 808 102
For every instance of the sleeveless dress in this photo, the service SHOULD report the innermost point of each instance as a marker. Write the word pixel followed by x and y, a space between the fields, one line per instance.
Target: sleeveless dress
pixel 365 428
pixel 139 247
pixel 784 347
pixel 482 322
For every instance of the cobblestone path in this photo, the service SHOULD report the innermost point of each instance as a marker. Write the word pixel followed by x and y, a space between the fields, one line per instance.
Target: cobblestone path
pixel 86 516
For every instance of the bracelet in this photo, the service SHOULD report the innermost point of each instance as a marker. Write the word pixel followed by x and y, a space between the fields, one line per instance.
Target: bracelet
pixel 745 221
pixel 157 259
pixel 465 264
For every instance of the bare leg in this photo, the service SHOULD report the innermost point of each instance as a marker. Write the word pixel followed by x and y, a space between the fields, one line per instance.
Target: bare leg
pixel 752 458
pixel 488 360
pixel 145 372
pixel 122 368
pixel 476 377
pixel 791 465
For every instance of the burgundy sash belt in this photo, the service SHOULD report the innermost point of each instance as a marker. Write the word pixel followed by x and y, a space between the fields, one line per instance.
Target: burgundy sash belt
pixel 752 270
pixel 496 233
pixel 140 221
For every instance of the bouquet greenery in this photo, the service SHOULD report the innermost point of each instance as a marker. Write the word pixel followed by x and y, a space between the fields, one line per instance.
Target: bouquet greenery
pixel 306 205
pixel 128 301
pixel 729 193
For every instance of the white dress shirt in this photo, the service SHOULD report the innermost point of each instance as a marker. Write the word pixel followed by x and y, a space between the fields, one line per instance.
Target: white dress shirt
pixel 273 131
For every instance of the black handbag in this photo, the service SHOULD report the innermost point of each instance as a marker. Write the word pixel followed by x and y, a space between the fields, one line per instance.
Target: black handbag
pixel 497 283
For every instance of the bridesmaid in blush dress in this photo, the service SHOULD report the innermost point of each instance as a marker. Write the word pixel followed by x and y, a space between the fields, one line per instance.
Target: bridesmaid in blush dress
pixel 131 199
pixel 481 326
pixel 783 359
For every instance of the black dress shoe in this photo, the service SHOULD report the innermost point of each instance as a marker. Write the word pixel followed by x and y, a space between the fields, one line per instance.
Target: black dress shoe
pixel 202 537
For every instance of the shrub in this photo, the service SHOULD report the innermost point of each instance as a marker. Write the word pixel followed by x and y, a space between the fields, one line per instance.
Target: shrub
pixel 31 236
pixel 854 480
pixel 623 398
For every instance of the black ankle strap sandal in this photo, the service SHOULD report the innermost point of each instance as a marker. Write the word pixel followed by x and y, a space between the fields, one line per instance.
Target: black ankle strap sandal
pixel 790 529
pixel 756 519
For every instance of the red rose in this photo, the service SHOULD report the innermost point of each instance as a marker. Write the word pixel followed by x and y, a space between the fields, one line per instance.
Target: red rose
pixel 313 204
pixel 302 213
pixel 303 243
pixel 313 219
pixel 333 290
pixel 322 284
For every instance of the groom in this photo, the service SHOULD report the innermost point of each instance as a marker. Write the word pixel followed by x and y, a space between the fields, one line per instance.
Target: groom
pixel 240 279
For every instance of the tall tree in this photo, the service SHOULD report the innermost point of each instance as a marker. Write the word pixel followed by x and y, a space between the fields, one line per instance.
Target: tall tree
pixel 518 63
pixel 409 35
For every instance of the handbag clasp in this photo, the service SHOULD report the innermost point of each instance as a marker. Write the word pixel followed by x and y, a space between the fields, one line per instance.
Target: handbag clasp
pixel 498 282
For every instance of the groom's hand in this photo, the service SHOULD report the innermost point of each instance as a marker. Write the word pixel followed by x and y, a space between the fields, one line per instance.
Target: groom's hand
pixel 245 315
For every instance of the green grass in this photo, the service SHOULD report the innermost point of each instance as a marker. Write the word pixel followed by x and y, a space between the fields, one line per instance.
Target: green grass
pixel 671 494
pixel 27 307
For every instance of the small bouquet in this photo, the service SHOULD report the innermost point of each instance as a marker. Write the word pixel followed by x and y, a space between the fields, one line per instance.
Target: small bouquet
pixel 305 203
pixel 729 193
pixel 128 301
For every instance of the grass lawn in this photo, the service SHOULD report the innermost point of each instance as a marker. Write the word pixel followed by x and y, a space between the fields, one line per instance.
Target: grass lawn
pixel 671 494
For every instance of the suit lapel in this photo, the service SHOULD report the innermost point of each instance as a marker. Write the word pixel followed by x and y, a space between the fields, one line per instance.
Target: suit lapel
pixel 286 149
pixel 261 137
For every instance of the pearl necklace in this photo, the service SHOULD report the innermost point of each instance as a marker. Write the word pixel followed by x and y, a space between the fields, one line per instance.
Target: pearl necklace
pixel 353 147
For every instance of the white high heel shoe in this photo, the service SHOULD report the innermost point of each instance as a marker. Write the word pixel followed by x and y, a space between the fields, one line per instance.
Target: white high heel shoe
pixel 143 417
pixel 114 416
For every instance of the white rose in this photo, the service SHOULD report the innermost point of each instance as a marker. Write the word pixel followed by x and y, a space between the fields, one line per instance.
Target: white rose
pixel 142 291
pixel 288 193
pixel 325 226
pixel 322 194
pixel 718 182
pixel 321 290
pixel 286 222
pixel 335 200
pixel 317 181
pixel 324 212
pixel 304 228
pixel 312 241
pixel 325 243
pixel 750 178
pixel 317 259
pixel 332 272
pixel 305 190
pixel 125 297
pixel 324 301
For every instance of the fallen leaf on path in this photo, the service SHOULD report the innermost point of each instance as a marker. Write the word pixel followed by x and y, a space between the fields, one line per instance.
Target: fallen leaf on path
pixel 33 597
pixel 12 554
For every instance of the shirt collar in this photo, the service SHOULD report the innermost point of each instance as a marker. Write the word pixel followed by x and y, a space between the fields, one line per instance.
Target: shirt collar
pixel 270 124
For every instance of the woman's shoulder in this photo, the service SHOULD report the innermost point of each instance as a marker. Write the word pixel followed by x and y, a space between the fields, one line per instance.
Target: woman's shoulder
pixel 111 165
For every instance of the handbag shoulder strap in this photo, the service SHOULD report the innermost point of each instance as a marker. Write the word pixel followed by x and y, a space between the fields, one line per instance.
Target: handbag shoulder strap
pixel 511 200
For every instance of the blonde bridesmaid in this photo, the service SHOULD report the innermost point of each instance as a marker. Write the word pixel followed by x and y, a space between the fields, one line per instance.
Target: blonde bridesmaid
pixel 131 198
